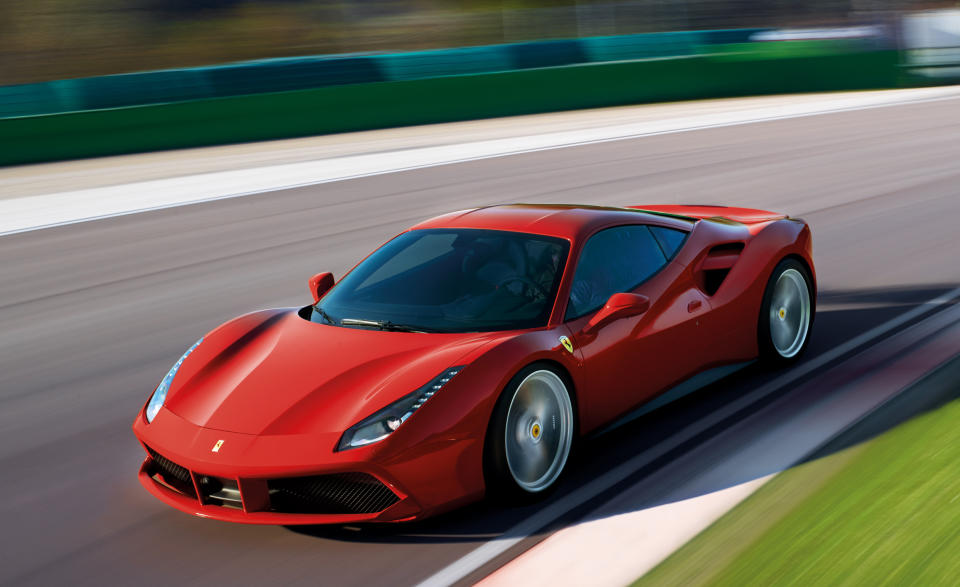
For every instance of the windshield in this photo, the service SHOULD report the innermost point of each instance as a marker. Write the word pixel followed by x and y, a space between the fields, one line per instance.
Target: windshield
pixel 450 280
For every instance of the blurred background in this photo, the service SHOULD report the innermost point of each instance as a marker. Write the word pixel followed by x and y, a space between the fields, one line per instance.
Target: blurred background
pixel 54 39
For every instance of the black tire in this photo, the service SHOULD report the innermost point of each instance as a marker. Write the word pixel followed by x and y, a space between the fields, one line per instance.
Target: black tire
pixel 503 484
pixel 778 347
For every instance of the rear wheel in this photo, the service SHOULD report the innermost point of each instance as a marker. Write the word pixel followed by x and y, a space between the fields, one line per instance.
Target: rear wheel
pixel 531 434
pixel 786 314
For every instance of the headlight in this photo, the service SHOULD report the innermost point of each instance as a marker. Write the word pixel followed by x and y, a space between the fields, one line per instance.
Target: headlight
pixel 383 423
pixel 160 395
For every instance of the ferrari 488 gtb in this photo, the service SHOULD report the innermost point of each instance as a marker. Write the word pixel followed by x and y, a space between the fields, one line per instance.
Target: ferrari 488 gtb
pixel 466 356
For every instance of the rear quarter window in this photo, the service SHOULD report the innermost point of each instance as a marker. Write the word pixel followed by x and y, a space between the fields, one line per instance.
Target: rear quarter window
pixel 669 239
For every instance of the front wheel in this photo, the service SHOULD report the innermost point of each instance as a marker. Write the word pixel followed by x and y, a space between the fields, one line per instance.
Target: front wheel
pixel 786 314
pixel 531 434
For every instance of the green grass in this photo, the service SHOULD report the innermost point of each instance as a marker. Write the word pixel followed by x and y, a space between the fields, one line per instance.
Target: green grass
pixel 886 512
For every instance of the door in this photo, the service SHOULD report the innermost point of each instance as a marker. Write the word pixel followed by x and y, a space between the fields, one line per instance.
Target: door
pixel 630 360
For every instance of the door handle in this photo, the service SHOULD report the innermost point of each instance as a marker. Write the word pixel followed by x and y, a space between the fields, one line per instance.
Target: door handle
pixel 694 305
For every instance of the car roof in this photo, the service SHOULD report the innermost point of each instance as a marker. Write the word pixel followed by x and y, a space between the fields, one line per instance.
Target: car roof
pixel 566 221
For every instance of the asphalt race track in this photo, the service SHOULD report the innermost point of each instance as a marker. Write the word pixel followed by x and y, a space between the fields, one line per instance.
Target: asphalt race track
pixel 93 314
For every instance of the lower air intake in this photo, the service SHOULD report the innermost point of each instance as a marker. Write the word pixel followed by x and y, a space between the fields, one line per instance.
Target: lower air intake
pixel 219 491
pixel 343 493
pixel 171 474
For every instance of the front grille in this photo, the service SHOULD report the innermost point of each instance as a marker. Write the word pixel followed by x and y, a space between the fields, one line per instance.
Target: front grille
pixel 342 493
pixel 171 474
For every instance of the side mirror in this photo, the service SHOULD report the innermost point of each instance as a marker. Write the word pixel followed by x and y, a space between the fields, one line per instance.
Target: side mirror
pixel 320 284
pixel 620 305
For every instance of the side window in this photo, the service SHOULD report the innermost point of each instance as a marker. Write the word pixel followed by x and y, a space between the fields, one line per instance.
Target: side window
pixel 613 260
pixel 669 239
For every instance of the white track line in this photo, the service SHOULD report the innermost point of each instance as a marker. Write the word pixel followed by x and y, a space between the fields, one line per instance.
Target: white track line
pixel 57 209
pixel 488 551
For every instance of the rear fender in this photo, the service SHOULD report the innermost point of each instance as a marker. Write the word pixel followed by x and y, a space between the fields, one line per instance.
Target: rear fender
pixel 736 303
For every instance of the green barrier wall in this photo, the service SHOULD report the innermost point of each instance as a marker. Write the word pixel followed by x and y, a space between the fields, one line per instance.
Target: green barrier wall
pixel 363 106
pixel 316 71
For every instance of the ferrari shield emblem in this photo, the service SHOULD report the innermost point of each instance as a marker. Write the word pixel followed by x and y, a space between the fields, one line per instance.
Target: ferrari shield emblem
pixel 566 344
pixel 216 447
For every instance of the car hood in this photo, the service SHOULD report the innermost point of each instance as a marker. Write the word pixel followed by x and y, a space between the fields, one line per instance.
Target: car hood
pixel 273 372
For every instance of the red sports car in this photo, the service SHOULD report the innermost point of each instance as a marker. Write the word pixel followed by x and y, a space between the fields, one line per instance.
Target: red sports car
pixel 466 356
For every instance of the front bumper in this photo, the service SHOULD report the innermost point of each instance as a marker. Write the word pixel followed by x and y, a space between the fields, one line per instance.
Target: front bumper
pixel 369 484
pixel 256 504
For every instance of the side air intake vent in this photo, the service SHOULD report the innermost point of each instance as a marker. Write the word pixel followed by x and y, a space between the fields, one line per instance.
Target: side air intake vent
pixel 717 264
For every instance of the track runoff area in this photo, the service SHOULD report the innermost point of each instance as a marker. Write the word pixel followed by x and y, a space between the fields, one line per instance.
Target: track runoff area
pixel 887 314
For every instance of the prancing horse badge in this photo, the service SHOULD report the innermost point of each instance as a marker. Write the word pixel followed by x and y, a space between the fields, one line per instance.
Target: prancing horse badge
pixel 566 344
pixel 216 447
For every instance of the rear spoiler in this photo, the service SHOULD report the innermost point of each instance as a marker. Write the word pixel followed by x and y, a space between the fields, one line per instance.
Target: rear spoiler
pixel 741 215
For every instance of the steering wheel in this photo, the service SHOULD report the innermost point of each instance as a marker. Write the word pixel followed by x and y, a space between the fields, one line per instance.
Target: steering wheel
pixel 526 281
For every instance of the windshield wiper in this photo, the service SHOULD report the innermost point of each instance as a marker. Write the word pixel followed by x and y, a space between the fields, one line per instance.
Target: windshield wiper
pixel 383 325
pixel 323 314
